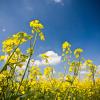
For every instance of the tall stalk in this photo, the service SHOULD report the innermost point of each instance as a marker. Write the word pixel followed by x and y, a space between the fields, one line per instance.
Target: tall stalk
pixel 27 65
pixel 93 74
pixel 5 65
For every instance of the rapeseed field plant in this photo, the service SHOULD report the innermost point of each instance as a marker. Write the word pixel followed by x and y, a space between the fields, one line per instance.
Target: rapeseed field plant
pixel 19 80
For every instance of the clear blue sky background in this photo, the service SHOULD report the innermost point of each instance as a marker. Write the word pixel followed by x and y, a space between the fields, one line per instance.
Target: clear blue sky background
pixel 77 21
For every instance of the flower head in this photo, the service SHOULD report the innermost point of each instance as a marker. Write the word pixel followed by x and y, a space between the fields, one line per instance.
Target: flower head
pixel 48 70
pixel 35 24
pixel 66 47
pixel 77 52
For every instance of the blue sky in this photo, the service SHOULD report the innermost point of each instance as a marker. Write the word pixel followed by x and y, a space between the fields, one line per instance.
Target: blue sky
pixel 76 21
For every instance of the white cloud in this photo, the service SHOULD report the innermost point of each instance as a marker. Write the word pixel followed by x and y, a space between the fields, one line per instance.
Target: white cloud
pixel 98 70
pixel 84 71
pixel 98 67
pixel 83 67
pixel 23 67
pixel 37 62
pixel 53 59
pixel 58 2
pixel 3 30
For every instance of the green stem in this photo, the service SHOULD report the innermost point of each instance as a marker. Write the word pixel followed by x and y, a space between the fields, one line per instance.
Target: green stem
pixel 28 61
pixel 5 66
pixel 32 51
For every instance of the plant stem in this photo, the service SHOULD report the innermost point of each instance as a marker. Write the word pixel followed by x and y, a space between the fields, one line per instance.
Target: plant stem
pixel 28 61
pixel 5 66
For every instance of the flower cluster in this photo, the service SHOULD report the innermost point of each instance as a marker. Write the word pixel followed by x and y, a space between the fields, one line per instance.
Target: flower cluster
pixel 66 47
pixel 77 52
pixel 15 40
pixel 37 27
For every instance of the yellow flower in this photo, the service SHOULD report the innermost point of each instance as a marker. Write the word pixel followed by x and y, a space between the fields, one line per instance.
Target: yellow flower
pixel 77 52
pixel 70 69
pixel 30 51
pixel 23 92
pixel 34 72
pixel 66 45
pixel 15 40
pixel 36 24
pixel 87 62
pixel 2 58
pixel 44 57
pixel 2 76
pixel 41 36
pixel 37 27
pixel 48 70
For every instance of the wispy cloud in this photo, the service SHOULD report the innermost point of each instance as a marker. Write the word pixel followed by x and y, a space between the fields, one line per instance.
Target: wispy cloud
pixel 59 2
